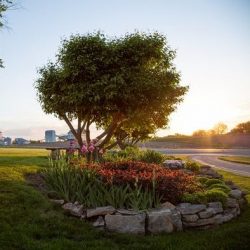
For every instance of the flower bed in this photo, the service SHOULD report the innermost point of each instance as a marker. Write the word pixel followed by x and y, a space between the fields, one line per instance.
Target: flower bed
pixel 169 185
pixel 137 197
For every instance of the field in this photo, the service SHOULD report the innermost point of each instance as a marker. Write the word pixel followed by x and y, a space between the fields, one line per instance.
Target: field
pixel 216 141
pixel 29 221
pixel 237 159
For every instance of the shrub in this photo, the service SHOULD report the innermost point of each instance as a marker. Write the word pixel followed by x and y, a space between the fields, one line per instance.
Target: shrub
pixel 203 180
pixel 86 186
pixel 151 156
pixel 210 182
pixel 216 195
pixel 221 186
pixel 129 153
pixel 192 166
pixel 170 185
pixel 205 197
pixel 198 197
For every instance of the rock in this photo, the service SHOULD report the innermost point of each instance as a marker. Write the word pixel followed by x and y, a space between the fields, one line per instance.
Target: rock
pixel 208 171
pixel 230 184
pixel 59 202
pixel 100 211
pixel 187 208
pixel 99 222
pixel 217 206
pixel 126 212
pixel 242 202
pixel 190 217
pixel 231 203
pixel 167 205
pixel 200 222
pixel 164 220
pixel 174 164
pixel 233 211
pixel 207 213
pixel 219 218
pixel 227 217
pixel 176 220
pixel 134 224
pixel 235 193
pixel 76 210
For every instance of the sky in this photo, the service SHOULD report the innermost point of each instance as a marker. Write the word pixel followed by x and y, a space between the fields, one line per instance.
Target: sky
pixel 211 38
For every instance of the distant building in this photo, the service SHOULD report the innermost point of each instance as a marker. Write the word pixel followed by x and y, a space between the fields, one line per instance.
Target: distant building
pixel 7 141
pixel 4 141
pixel 21 141
pixel 50 136
pixel 69 136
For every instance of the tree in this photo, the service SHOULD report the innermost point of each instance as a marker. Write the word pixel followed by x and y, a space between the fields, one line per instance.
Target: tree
pixel 241 128
pixel 113 83
pixel 200 132
pixel 4 6
pixel 220 128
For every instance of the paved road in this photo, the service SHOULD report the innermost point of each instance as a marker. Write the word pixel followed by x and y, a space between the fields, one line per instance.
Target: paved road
pixel 212 160
pixel 210 157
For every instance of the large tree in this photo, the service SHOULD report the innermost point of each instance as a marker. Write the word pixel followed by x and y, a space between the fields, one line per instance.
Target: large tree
pixel 4 6
pixel 241 128
pixel 114 83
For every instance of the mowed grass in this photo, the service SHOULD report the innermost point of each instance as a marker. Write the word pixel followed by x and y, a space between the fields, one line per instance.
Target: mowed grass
pixel 236 159
pixel 29 221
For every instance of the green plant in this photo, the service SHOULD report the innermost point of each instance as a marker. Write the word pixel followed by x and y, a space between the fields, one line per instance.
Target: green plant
pixel 151 156
pixel 87 186
pixel 216 195
pixel 202 180
pixel 193 166
pixel 220 186
pixel 198 197
pixel 210 182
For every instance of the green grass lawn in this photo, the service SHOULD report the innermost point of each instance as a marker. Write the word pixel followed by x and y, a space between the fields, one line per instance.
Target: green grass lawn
pixel 237 159
pixel 29 221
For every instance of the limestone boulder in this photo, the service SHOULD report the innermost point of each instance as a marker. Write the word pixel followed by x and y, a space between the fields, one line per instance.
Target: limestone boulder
pixel 188 208
pixel 58 202
pixel 134 224
pixel 209 212
pixel 200 222
pixel 74 209
pixel 217 206
pixel 232 203
pixel 164 220
pixel 190 217
pixel 168 205
pixel 174 164
pixel 99 222
pixel 100 211
pixel 235 193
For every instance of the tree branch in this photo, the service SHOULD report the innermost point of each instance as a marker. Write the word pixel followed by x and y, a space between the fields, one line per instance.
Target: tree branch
pixel 111 145
pixel 66 119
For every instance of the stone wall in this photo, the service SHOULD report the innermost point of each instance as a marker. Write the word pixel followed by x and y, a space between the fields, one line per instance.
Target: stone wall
pixel 166 219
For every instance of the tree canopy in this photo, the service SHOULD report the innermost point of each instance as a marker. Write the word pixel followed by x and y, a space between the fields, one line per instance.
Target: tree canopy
pixel 4 6
pixel 241 128
pixel 122 84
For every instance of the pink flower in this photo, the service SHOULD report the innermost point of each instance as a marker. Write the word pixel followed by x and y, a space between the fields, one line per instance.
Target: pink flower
pixel 101 151
pixel 84 149
pixel 91 148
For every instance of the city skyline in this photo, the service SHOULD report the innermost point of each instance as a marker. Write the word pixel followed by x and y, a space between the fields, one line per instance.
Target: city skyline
pixel 211 38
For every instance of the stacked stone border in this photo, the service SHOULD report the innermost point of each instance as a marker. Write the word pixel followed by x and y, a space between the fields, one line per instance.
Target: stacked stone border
pixel 166 219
